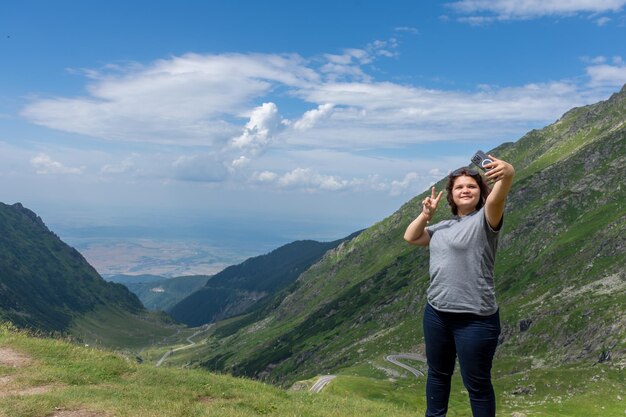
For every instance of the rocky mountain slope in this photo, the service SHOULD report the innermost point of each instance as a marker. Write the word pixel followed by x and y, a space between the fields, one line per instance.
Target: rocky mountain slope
pixel 561 271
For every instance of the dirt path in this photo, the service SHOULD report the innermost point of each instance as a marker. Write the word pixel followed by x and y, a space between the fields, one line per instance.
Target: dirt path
pixel 13 359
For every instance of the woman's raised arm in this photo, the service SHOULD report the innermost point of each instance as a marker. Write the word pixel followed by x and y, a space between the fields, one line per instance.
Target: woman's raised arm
pixel 502 173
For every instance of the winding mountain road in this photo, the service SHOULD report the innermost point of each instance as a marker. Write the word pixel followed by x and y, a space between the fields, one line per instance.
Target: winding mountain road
pixel 412 356
pixel 191 343
pixel 325 379
pixel 322 382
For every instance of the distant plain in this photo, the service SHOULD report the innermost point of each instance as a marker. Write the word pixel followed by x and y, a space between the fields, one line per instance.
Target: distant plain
pixel 167 258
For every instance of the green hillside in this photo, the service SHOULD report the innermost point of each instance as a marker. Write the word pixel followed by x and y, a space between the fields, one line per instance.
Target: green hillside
pixel 165 293
pixel 44 283
pixel 240 287
pixel 51 377
pixel 561 274
pixel 46 377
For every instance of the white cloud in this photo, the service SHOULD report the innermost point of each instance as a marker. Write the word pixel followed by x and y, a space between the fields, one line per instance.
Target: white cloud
pixel 335 71
pixel 44 164
pixel 204 99
pixel 398 187
pixel 182 100
pixel 240 162
pixel 348 66
pixel 383 114
pixel 386 48
pixel 312 117
pixel 264 123
pixel 265 176
pixel 526 9
pixel 212 103
pixel 606 75
pixel 311 180
pixel 350 56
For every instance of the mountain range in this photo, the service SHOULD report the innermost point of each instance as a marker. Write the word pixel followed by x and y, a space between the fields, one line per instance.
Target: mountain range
pixel 241 287
pixel 560 271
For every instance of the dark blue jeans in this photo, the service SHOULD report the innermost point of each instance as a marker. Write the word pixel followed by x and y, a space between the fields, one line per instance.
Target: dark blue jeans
pixel 474 339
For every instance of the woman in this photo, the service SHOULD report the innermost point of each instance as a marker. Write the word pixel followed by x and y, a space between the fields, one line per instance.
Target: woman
pixel 461 316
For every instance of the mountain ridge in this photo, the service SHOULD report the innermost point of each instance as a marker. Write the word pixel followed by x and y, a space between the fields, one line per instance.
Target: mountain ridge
pixel 240 287
pixel 44 283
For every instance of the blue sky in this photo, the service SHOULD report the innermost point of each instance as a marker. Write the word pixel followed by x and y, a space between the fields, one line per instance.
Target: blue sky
pixel 277 120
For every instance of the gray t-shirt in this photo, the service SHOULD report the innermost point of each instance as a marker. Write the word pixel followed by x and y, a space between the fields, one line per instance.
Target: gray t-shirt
pixel 462 256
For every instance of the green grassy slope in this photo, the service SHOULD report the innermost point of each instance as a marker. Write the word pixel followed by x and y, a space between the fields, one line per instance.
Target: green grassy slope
pixel 560 268
pixel 52 377
pixel 111 327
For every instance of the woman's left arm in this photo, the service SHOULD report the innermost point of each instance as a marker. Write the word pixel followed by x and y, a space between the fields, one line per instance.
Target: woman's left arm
pixel 500 172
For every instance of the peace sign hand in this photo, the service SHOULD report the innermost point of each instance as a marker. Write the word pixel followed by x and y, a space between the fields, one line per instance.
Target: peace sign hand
pixel 429 204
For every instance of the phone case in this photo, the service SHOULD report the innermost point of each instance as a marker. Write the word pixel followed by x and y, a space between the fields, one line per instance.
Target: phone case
pixel 480 159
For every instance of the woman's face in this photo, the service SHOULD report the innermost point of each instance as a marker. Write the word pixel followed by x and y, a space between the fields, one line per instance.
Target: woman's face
pixel 465 194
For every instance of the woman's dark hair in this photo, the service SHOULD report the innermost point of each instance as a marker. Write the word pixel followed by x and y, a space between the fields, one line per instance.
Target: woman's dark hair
pixel 482 184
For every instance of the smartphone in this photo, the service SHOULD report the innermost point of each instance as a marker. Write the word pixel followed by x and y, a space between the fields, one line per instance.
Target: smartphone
pixel 480 159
